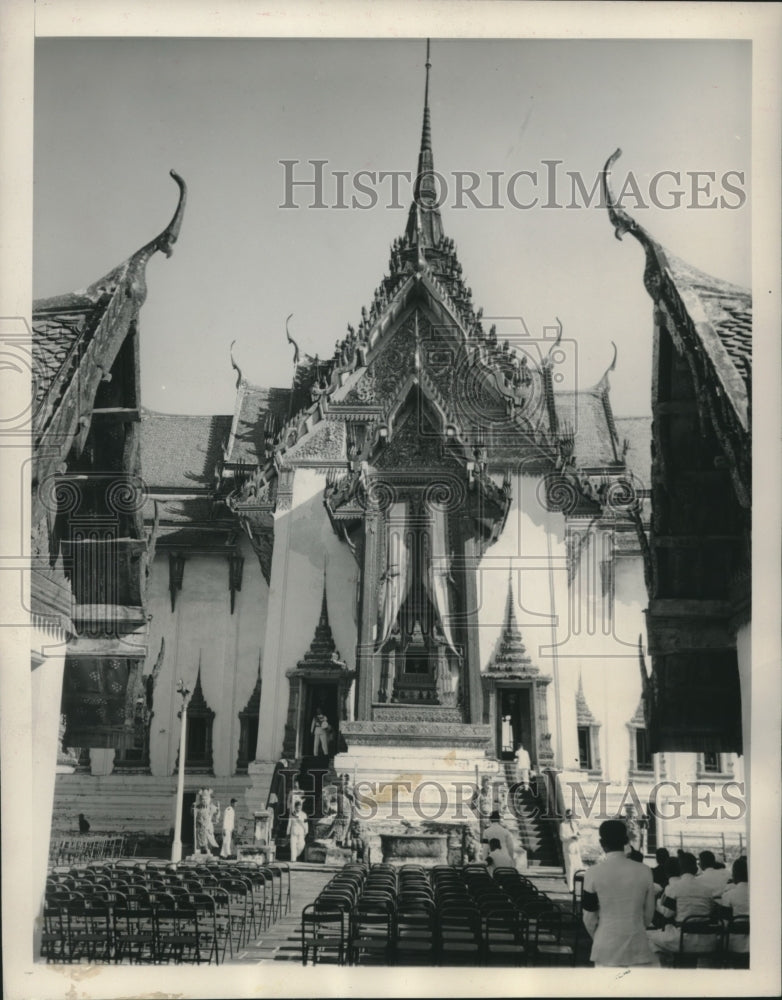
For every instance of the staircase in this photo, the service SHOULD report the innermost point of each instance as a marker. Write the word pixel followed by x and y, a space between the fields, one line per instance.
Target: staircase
pixel 539 836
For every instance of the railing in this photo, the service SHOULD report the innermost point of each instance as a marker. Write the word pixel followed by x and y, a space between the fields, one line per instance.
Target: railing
pixel 730 845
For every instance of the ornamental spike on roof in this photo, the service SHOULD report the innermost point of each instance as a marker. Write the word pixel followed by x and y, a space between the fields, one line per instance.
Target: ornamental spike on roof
pixel 323 649
pixel 584 715
pixel 424 225
pixel 511 653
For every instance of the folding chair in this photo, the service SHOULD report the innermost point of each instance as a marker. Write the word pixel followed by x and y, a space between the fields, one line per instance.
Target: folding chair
pixel 371 932
pixel 323 932
pixel 735 946
pixel 700 941
pixel 460 937
pixel 416 932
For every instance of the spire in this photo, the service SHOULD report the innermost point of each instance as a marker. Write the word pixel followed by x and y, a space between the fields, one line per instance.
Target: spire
pixel 510 655
pixel 323 649
pixel 427 233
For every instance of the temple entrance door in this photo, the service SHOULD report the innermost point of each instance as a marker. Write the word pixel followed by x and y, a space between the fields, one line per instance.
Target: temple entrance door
pixel 325 697
pixel 514 721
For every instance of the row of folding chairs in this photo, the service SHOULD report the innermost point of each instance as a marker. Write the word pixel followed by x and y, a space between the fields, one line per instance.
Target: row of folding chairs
pixel 445 917
pixel 160 915
pixel 71 850
pixel 716 941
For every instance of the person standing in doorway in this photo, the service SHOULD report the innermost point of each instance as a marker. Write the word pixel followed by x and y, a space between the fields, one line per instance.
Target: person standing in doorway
pixel 570 836
pixel 229 821
pixel 320 731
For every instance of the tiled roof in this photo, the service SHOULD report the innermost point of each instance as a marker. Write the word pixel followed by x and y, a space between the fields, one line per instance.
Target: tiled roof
pixel 181 451
pixel 256 408
pixel 61 328
pixel 584 413
pixel 727 308
pixel 637 431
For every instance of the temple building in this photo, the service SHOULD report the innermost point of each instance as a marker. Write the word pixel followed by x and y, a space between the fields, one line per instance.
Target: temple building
pixel 424 539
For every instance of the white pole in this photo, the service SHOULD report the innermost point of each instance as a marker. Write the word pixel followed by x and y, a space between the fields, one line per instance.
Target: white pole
pixel 176 848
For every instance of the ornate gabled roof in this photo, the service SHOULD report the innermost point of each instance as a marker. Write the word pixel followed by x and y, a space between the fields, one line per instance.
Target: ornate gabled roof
pixel 73 329
pixel 711 324
pixel 584 716
pixel 638 718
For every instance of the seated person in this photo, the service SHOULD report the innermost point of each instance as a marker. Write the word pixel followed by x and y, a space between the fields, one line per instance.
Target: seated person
pixel 683 897
pixel 734 902
pixel 659 873
pixel 715 877
pixel 498 857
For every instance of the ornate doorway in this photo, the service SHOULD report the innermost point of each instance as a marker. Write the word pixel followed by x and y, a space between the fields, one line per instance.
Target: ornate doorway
pixel 514 721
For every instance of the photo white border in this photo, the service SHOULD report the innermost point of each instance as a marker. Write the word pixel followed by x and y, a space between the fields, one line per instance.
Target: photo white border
pixel 20 21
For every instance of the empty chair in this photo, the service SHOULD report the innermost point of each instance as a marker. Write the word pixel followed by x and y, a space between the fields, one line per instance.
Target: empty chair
pixel 134 928
pixel 324 933
pixel 416 940
pixel 503 936
pixel 460 939
pixel 553 938
pixel 371 932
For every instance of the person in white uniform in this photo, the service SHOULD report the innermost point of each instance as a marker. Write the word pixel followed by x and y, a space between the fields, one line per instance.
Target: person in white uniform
pixel 298 825
pixel 618 903
pixel 523 765
pixel 229 820
pixel 570 835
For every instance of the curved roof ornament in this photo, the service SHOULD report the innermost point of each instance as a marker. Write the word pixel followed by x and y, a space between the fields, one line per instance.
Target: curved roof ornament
pixel 292 341
pixel 556 343
pixel 166 240
pixel 237 369
pixel 620 219
pixel 132 270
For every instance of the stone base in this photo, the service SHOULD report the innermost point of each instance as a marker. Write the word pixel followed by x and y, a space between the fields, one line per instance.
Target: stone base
pixel 415 772
pixel 425 849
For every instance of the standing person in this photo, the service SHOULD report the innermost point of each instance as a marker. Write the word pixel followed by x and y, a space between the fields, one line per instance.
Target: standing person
pixel 320 731
pixel 523 766
pixel 495 829
pixel 618 903
pixel 298 826
pixel 570 835
pixel 229 820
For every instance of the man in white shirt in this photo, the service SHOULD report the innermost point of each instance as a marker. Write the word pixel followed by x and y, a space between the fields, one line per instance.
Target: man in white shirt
pixel 618 903
pixel 570 835
pixel 229 819
pixel 715 878
pixel 686 896
pixel 495 829
pixel 498 858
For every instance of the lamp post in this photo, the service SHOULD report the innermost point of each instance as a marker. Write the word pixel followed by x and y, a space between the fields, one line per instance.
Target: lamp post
pixel 176 848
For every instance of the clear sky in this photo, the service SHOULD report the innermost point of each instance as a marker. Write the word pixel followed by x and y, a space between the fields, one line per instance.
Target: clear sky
pixel 112 116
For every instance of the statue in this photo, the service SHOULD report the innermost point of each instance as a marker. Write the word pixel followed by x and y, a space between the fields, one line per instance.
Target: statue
pixel 470 848
pixel 359 846
pixel 344 816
